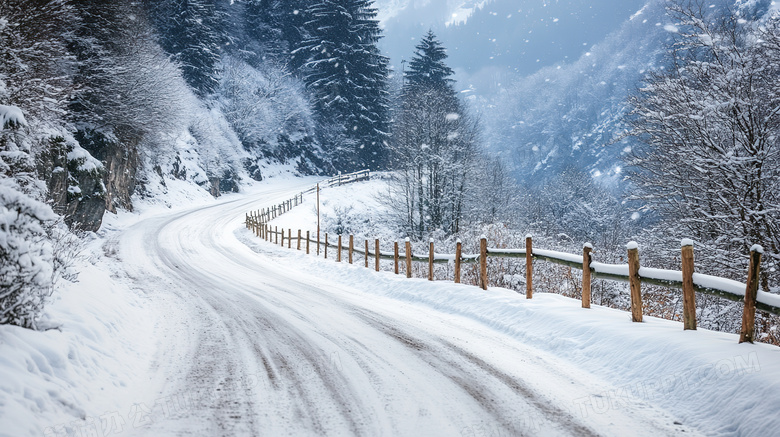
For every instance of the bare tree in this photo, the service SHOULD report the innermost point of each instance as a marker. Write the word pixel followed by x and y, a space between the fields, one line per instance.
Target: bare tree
pixel 709 126
pixel 435 150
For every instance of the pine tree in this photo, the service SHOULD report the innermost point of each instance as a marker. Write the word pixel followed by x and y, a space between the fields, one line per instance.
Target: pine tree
pixel 192 31
pixel 273 29
pixel 434 145
pixel 348 77
pixel 427 68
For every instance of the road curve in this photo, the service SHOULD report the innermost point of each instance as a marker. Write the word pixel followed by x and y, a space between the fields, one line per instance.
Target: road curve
pixel 249 346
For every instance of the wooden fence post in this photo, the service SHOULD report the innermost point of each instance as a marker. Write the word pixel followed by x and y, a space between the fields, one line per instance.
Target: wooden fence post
pixel 282 237
pixel 748 331
pixel 366 257
pixel 307 242
pixel 299 239
pixel 483 279
pixel 326 246
pixel 634 281
pixel 289 238
pixel 430 259
pixel 586 259
pixel 338 256
pixel 376 254
pixel 529 266
pixel 408 258
pixel 246 220
pixel 689 295
pixel 395 256
pixel 458 252
pixel 351 247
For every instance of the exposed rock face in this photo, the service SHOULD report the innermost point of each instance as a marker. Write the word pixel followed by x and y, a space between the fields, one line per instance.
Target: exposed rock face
pixel 120 161
pixel 214 186
pixel 121 168
pixel 75 184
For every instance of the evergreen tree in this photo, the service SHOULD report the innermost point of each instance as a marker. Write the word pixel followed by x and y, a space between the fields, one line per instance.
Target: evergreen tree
pixel 348 77
pixel 427 68
pixel 434 145
pixel 274 28
pixel 192 31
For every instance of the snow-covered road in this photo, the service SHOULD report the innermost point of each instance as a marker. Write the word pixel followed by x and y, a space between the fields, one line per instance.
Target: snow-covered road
pixel 251 344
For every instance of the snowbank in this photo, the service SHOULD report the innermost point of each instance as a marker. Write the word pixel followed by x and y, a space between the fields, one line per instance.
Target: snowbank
pixel 705 377
pixel 84 366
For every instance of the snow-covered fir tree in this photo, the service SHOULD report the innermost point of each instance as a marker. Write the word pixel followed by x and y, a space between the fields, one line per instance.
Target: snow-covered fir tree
pixel 434 145
pixel 192 31
pixel 348 77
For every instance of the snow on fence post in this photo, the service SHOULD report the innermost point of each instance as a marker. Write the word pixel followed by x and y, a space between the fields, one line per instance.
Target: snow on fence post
pixel 376 254
pixel 458 252
pixel 395 256
pixel 307 242
pixel 430 259
pixel 587 248
pixel 483 279
pixel 408 258
pixel 634 281
pixel 747 333
pixel 351 247
pixel 299 239
pixel 289 238
pixel 529 267
pixel 366 253
pixel 338 255
pixel 689 295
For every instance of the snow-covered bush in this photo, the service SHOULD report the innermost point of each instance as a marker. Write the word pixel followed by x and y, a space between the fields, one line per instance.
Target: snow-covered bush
pixel 26 256
pixel 36 250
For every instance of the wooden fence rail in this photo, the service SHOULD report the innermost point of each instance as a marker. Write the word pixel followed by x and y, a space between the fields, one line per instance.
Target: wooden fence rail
pixel 265 215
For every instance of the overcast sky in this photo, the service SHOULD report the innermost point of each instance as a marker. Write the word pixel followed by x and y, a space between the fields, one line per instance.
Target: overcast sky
pixel 490 39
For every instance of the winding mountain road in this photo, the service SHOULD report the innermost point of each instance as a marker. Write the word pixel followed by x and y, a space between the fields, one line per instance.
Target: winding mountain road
pixel 250 346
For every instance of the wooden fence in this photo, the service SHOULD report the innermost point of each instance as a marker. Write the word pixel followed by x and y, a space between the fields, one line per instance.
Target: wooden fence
pixel 265 215
pixel 633 273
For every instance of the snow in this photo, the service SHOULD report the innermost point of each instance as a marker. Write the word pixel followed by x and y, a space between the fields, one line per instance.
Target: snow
pixel 757 248
pixel 89 364
pixel 709 380
pixel 186 323
pixel 686 242
pixel 87 163
pixel 671 28
pixel 559 255
pixel 610 269
pixel 632 245
pixel 11 115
